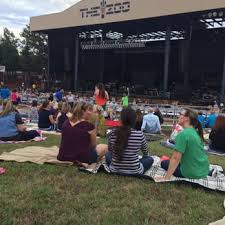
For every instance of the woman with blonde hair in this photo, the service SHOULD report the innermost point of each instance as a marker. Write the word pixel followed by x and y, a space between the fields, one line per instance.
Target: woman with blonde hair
pixel 12 127
pixel 78 142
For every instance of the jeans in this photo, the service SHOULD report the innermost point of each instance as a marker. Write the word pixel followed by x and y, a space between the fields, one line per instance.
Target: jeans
pixel 22 136
pixel 51 128
pixel 146 161
pixel 177 172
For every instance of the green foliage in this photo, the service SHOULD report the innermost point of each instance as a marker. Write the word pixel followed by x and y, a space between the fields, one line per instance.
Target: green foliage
pixel 34 50
pixel 30 53
pixel 9 55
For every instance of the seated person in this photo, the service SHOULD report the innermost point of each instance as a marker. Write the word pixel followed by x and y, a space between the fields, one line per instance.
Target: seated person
pixel 124 146
pixel 78 142
pixel 34 112
pixel 62 115
pixel 12 127
pixel 189 159
pixel 211 119
pixel 170 143
pixel 151 123
pixel 202 119
pixel 217 135
pixel 45 120
pixel 159 114
pixel 139 119
pixel 99 121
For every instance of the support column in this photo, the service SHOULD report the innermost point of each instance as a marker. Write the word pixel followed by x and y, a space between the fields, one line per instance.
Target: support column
pixel 124 61
pixel 103 65
pixel 167 59
pixel 76 62
pixel 49 63
pixel 223 83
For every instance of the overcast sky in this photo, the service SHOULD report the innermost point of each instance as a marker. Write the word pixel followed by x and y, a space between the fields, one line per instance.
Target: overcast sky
pixel 15 14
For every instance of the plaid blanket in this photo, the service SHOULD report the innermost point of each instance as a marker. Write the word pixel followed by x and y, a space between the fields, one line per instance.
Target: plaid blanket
pixel 216 182
pixel 36 139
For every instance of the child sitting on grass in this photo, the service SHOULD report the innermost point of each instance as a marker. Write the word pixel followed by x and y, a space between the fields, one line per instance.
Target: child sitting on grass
pixel 99 121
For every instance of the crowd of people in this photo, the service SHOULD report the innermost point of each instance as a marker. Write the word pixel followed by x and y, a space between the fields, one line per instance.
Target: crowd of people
pixel 81 121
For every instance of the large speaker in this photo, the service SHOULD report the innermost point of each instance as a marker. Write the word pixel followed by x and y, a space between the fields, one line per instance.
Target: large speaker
pixel 67 65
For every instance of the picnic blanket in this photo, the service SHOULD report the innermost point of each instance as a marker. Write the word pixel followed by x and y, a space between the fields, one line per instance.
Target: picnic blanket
pixel 213 183
pixel 34 154
pixel 219 222
pixel 213 152
pixel 36 139
pixel 2 170
pixel 112 123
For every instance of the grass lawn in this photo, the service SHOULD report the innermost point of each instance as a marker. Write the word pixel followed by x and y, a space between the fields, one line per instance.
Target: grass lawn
pixel 61 195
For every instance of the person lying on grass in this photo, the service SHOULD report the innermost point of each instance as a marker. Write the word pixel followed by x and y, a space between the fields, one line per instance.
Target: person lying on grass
pixel 12 127
pixel 124 146
pixel 78 141
pixel 189 159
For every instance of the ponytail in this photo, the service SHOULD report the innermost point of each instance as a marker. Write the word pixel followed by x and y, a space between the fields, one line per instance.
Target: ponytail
pixel 193 116
pixel 128 120
pixel 200 130
pixel 122 135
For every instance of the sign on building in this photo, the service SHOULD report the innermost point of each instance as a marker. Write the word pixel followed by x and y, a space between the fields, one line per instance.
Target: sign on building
pixel 105 9
pixel 2 69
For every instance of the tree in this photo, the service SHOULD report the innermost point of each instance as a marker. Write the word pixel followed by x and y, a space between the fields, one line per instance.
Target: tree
pixel 34 50
pixel 9 55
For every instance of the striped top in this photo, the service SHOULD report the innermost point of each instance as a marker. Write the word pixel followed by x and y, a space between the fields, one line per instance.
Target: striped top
pixel 129 163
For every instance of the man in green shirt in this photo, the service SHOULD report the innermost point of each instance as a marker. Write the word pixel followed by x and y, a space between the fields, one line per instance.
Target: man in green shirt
pixel 125 101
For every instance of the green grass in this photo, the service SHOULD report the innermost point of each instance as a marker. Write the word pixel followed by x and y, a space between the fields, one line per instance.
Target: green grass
pixel 61 195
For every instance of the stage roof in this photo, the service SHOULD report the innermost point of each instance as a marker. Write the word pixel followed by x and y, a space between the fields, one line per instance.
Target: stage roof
pixel 93 12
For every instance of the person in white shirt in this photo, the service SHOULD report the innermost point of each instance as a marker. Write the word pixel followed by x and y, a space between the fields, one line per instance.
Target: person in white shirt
pixel 70 99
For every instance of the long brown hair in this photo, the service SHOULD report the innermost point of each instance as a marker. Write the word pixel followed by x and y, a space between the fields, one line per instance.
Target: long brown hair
pixel 128 119
pixel 193 117
pixel 8 107
pixel 101 89
pixel 220 123
pixel 44 105
pixel 139 116
pixel 79 109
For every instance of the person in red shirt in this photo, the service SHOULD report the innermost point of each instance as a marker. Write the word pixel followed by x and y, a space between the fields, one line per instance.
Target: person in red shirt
pixel 101 96
pixel 14 97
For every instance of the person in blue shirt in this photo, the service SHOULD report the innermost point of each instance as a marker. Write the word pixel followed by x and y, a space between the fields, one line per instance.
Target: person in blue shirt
pixel 12 127
pixel 151 123
pixel 211 119
pixel 5 93
pixel 202 119
pixel 59 95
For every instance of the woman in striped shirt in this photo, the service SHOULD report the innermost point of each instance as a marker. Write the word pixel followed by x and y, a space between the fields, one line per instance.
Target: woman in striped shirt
pixel 124 146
